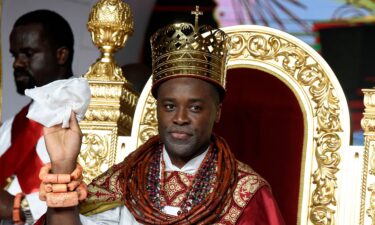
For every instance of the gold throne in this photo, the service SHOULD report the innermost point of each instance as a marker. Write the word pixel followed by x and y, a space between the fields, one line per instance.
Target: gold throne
pixel 285 114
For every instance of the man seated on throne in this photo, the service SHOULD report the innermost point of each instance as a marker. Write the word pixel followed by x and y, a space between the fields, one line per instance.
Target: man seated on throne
pixel 186 174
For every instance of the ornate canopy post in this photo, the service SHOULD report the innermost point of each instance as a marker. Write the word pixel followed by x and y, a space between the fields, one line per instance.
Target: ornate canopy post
pixel 368 172
pixel 113 102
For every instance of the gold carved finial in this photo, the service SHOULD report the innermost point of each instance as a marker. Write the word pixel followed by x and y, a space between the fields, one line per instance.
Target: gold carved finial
pixel 197 13
pixel 110 23
pixel 111 110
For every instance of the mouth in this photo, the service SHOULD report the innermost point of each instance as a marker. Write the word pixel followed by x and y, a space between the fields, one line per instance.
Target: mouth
pixel 21 76
pixel 180 135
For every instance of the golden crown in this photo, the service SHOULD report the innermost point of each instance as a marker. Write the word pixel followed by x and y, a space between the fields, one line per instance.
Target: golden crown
pixel 182 50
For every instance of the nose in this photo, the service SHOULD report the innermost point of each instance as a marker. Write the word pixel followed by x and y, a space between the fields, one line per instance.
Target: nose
pixel 19 62
pixel 181 117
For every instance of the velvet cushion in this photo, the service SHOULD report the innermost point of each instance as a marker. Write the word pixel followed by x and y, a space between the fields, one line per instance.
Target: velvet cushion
pixel 262 122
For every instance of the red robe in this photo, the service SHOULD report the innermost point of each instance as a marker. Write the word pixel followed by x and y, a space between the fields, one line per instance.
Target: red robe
pixel 21 159
pixel 251 203
pixel 262 209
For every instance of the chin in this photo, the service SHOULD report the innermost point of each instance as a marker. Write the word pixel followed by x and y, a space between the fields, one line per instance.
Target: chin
pixel 21 87
pixel 179 149
pixel 21 91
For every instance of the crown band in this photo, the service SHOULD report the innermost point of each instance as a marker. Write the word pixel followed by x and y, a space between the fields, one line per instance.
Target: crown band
pixel 179 50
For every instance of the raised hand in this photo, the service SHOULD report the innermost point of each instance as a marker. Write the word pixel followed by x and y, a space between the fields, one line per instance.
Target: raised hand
pixel 63 145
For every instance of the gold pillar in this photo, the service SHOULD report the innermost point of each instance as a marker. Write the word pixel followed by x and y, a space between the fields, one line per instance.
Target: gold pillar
pixel 368 170
pixel 113 100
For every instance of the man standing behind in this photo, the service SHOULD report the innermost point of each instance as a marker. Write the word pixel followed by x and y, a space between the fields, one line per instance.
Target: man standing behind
pixel 41 43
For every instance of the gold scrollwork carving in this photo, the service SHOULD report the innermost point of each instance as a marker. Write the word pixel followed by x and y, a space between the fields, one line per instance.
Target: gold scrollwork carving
pixel 149 123
pixel 260 47
pixel 372 163
pixel 369 147
pixel 322 215
pixel 324 178
pixel 129 98
pixel 323 94
pixel 283 54
pixel 105 114
pixel 263 47
pixel 98 90
pixel 371 211
pixel 147 132
pixel 293 58
pixel 105 71
pixel 237 45
pixel 369 99
pixel 368 125
pixel 150 113
pixel 94 155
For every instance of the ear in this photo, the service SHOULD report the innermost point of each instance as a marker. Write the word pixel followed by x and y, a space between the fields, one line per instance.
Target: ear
pixel 62 55
pixel 218 112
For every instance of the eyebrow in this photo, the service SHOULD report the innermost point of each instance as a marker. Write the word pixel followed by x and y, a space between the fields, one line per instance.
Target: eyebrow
pixel 190 100
pixel 21 50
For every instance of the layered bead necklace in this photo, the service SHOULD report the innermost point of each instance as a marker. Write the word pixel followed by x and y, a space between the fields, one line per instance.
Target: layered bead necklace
pixel 199 190
pixel 210 191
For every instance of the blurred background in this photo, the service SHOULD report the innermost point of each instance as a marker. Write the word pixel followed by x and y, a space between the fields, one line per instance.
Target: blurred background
pixel 341 31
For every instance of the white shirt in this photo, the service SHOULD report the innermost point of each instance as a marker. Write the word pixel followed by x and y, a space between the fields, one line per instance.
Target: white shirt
pixel 37 207
pixel 122 216
pixel 52 104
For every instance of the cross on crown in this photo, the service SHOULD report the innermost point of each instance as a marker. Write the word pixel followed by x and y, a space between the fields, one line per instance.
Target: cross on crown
pixel 197 13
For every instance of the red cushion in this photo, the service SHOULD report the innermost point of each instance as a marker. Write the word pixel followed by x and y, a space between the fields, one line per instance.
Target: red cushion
pixel 263 124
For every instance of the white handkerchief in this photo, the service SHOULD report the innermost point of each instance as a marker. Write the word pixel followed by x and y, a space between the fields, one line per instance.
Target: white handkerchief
pixel 54 102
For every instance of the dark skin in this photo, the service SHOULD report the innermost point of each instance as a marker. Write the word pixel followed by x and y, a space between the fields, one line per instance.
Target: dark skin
pixel 36 63
pixel 187 111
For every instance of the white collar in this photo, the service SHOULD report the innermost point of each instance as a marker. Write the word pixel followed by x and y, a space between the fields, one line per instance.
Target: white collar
pixel 190 167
